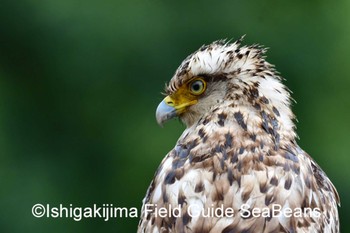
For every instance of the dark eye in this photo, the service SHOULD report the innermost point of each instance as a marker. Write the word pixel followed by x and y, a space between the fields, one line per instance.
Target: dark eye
pixel 197 87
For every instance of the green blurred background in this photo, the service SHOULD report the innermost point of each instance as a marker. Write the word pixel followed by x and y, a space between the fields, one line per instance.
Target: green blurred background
pixel 80 82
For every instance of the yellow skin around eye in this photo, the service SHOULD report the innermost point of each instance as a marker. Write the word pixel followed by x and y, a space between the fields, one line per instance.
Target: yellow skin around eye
pixel 177 103
pixel 184 96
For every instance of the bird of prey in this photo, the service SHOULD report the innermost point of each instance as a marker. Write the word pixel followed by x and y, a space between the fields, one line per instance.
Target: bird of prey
pixel 237 166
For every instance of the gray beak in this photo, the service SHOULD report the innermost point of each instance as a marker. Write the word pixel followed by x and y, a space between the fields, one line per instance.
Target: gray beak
pixel 164 113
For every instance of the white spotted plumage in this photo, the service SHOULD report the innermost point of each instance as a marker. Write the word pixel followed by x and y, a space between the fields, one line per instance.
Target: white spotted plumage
pixel 239 148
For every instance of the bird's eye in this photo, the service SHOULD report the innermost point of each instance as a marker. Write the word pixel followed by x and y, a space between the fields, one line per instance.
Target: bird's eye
pixel 197 87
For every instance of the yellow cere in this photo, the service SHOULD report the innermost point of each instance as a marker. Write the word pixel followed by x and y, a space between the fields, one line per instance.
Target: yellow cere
pixel 186 95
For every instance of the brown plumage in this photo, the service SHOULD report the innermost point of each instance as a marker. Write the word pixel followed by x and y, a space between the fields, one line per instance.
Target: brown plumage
pixel 238 156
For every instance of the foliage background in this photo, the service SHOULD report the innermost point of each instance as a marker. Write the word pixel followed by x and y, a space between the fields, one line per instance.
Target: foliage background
pixel 80 81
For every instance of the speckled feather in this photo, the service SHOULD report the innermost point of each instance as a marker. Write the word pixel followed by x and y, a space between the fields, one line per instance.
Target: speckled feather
pixel 239 147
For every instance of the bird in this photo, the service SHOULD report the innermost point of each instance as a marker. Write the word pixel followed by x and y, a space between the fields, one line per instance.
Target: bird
pixel 237 166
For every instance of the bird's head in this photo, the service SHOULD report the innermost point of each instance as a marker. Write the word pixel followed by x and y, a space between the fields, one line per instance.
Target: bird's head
pixel 224 75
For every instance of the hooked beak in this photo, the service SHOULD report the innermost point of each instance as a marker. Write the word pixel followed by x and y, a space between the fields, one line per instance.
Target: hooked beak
pixel 172 106
pixel 165 111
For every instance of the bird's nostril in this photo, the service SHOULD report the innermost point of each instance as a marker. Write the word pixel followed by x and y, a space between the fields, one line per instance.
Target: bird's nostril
pixel 170 102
